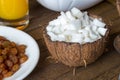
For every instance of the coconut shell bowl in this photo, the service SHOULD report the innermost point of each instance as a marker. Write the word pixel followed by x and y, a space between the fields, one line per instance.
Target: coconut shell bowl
pixel 75 54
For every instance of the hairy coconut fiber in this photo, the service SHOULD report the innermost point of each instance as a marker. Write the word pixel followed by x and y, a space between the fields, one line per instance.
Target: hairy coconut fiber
pixel 75 54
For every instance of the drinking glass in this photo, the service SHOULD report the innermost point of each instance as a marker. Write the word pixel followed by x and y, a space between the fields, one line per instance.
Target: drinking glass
pixel 14 13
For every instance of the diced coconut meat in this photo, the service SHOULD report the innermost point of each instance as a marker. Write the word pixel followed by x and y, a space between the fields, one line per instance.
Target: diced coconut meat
pixel 76 12
pixel 69 32
pixel 87 39
pixel 56 30
pixel 75 26
pixel 98 23
pixel 49 28
pixel 70 27
pixel 52 36
pixel 102 31
pixel 93 36
pixel 61 37
pixel 94 28
pixel 86 18
pixel 77 38
pixel 69 16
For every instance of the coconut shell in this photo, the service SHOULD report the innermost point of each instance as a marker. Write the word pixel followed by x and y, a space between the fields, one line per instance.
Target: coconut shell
pixel 117 43
pixel 75 54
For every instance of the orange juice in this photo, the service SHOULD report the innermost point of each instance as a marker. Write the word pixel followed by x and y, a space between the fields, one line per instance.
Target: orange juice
pixel 13 9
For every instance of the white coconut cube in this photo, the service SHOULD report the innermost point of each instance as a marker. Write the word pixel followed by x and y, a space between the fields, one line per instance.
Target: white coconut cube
pixel 93 36
pixel 98 23
pixel 49 28
pixel 76 12
pixel 54 22
pixel 94 28
pixel 83 22
pixel 87 40
pixel 77 38
pixel 69 32
pixel 70 27
pixel 63 20
pixel 102 31
pixel 77 23
pixel 52 36
pixel 61 37
pixel 70 16
pixel 85 32
pixel 86 18
pixel 56 30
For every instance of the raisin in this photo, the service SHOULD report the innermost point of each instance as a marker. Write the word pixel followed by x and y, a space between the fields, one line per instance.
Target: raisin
pixel 23 59
pixel 15 67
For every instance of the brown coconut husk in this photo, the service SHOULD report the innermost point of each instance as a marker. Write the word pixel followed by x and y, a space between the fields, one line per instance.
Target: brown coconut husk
pixel 117 43
pixel 75 54
pixel 118 6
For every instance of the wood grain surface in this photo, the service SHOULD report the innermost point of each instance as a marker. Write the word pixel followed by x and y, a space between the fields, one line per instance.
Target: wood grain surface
pixel 107 67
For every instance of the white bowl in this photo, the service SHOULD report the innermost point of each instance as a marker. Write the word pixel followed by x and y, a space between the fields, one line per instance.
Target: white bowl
pixel 64 5
pixel 32 50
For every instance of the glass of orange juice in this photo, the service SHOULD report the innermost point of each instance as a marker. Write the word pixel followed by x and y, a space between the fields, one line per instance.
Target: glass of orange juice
pixel 14 13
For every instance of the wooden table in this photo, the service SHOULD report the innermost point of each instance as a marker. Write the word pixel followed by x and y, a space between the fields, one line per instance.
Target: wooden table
pixel 107 67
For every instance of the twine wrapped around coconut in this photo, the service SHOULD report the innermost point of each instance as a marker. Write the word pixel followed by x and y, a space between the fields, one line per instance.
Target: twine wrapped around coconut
pixel 74 54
